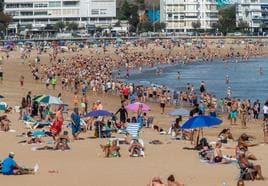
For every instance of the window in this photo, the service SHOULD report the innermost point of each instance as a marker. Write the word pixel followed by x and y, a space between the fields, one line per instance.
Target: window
pixel 26 5
pixel 14 13
pixel 12 5
pixel 40 5
pixel 55 12
pixel 29 13
pixel 40 13
pixel 55 4
pixel 103 11
pixel 70 3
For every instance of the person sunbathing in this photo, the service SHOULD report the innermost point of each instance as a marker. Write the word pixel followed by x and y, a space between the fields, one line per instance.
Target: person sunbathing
pixel 135 148
pixel 10 167
pixel 4 123
pixel 224 135
pixel 34 137
pixel 156 181
pixel 111 149
pixel 244 163
pixel 61 143
pixel 172 182
pixel 218 156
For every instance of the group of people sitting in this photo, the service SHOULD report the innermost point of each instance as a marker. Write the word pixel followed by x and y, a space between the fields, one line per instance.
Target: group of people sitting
pixel 157 181
pixel 248 170
pixel 112 149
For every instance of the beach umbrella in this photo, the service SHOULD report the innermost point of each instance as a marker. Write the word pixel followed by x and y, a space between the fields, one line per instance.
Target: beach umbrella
pixel 179 112
pixel 201 122
pixel 35 98
pixel 98 113
pixel 20 43
pixel 135 107
pixel 50 100
pixel 1 97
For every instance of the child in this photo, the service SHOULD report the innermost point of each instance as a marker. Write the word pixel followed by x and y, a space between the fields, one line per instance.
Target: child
pixel 21 81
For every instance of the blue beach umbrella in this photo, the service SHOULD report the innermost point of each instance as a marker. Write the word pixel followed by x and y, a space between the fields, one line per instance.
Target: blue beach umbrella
pixel 179 112
pixel 98 113
pixel 201 122
pixel 1 97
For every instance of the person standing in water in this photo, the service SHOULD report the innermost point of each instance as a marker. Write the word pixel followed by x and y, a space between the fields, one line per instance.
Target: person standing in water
pixel 229 92
pixel 261 70
pixel 227 79
pixel 179 75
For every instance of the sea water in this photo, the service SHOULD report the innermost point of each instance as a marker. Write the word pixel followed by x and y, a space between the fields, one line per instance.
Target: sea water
pixel 247 80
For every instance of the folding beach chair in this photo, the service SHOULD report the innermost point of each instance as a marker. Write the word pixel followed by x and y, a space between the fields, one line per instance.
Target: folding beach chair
pixel 3 106
pixel 33 124
pixel 133 129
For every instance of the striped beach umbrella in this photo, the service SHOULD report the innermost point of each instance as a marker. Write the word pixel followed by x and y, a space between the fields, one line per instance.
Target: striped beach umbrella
pixel 50 100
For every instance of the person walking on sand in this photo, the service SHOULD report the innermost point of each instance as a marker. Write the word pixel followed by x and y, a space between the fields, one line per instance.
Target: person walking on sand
pixel 21 81
pixel 53 82
pixel 265 131
pixel 162 103
pixel 244 113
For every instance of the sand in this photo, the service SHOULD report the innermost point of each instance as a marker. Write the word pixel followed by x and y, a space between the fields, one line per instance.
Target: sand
pixel 84 164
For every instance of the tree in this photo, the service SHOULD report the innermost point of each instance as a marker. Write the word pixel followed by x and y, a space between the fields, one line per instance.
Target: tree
pixel 129 12
pixel 4 21
pixel 124 12
pixel 117 24
pixel 160 26
pixel 196 25
pixel 59 26
pixel 227 19
pixel 99 29
pixel 243 26
pixel 72 26
pixel 146 26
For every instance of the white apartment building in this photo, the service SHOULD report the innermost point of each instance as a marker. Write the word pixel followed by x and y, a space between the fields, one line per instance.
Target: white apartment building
pixel 180 14
pixel 40 13
pixel 250 12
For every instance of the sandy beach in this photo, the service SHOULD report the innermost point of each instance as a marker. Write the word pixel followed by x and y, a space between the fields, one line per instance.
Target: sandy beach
pixel 84 164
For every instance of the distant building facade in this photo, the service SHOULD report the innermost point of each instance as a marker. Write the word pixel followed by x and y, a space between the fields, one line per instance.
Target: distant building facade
pixel 40 13
pixel 179 15
pixel 249 11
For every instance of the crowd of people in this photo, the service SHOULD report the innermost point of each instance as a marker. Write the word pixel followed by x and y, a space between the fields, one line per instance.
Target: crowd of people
pixel 86 75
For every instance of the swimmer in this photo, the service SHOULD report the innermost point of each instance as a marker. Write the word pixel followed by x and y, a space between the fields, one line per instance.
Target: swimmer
pixel 179 75
pixel 261 70
pixel 227 79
